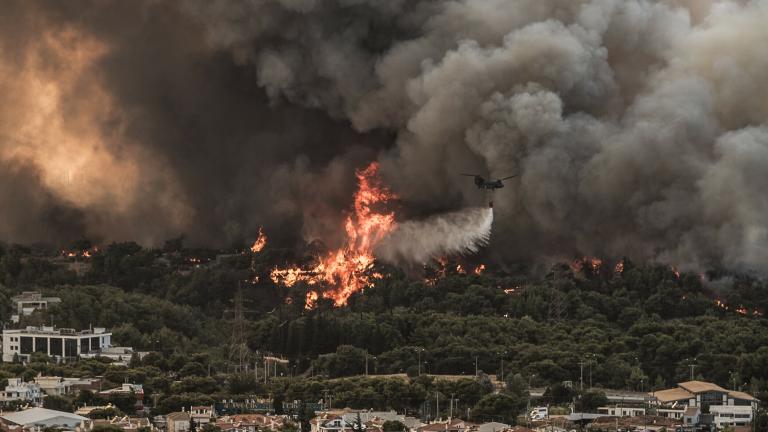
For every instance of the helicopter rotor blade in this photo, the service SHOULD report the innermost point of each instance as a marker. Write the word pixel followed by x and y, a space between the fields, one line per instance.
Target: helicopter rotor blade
pixel 470 175
pixel 512 176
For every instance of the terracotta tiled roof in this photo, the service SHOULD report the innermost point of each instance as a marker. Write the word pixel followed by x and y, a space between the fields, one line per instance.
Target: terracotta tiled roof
pixel 671 395
pixel 701 387
pixel 742 395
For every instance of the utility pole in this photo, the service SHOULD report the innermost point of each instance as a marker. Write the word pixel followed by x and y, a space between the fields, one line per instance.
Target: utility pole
pixel 581 375
pixel 418 350
pixel 693 367
pixel 366 362
pixel 450 416
pixel 437 404
pixel 476 369
pixel 238 356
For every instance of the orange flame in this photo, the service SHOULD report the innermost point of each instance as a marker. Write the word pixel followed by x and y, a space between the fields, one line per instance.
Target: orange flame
pixel 741 310
pixel 479 269
pixel 347 270
pixel 260 242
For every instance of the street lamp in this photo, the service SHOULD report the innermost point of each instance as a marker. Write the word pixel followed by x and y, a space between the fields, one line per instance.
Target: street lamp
pixel 502 355
pixel 418 351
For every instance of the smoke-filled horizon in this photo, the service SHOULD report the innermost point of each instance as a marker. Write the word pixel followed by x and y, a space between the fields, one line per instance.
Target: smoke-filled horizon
pixel 637 127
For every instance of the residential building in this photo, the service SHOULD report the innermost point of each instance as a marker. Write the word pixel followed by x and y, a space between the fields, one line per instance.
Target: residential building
pixel 177 422
pixel 86 410
pixel 621 411
pixel 453 425
pixel 201 414
pixel 127 389
pixel 60 343
pixel 54 385
pixel 40 418
pixel 29 301
pixel 493 427
pixel 331 423
pixel 19 391
pixel 250 422
pixel 80 384
pixel 724 407
pixel 128 424
pixel 120 356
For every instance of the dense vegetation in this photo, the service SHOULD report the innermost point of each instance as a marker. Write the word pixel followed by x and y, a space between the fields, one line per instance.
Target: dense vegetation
pixel 635 329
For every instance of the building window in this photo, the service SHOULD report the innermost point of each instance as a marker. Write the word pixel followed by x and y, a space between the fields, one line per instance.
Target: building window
pixel 26 345
pixel 56 346
pixel 70 347
pixel 41 345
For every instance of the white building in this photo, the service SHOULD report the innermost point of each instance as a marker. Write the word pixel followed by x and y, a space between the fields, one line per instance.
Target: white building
pixel 18 390
pixel 621 411
pixel 57 343
pixel 53 385
pixel 731 415
pixel 40 418
pixel 728 407
pixel 120 356
pixel 28 301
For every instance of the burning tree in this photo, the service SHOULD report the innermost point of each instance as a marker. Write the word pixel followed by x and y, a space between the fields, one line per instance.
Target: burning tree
pixel 349 269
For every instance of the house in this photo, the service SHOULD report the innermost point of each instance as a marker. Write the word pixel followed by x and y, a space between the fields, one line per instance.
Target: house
pixel 621 411
pixel 493 427
pixel 128 424
pixel 331 423
pixel 177 422
pixel 19 391
pixel 39 418
pixel 724 407
pixel 86 410
pixel 201 414
pixel 120 356
pixel 250 422
pixel 80 384
pixel 29 301
pixel 53 385
pixel 127 389
pixel 453 425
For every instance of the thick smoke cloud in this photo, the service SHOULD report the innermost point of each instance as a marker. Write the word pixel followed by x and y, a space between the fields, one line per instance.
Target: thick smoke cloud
pixel 638 127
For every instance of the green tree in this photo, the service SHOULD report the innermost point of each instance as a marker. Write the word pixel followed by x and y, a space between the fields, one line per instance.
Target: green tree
pixel 393 426
pixel 498 407
pixel 106 428
pixel 58 403
pixel 590 401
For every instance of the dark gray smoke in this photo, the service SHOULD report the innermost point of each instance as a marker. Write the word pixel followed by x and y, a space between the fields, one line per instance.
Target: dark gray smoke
pixel 638 126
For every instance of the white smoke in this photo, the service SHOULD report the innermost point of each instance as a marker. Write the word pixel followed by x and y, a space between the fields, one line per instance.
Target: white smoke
pixel 461 232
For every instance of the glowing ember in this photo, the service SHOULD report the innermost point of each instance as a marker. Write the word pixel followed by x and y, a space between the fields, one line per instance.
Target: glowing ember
pixel 741 310
pixel 85 253
pixel 479 269
pixel 619 268
pixel 347 270
pixel 460 269
pixel 260 242
pixel 592 263
pixel 311 300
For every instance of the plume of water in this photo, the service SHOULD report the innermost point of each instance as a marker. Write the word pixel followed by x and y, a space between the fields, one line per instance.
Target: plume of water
pixel 461 232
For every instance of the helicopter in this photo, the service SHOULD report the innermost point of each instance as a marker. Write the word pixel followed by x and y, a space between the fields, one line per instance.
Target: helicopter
pixel 488 184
